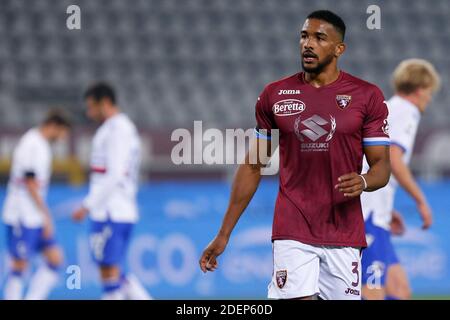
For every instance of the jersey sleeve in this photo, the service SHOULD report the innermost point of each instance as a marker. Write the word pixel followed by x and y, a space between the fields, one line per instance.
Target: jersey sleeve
pixel 376 126
pixel 402 130
pixel 265 121
pixel 31 158
pixel 116 168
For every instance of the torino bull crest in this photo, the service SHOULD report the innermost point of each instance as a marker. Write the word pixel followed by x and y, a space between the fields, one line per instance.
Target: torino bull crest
pixel 343 101
pixel 281 278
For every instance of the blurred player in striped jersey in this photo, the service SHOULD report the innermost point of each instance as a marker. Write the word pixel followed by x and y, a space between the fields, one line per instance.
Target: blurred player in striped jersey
pixel 111 202
pixel 26 215
pixel 415 81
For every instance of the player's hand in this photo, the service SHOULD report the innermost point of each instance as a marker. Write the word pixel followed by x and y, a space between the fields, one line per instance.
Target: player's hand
pixel 426 214
pixel 208 260
pixel 48 228
pixel 397 224
pixel 351 185
pixel 79 214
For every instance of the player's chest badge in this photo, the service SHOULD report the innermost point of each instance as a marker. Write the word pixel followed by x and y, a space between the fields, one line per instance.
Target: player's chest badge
pixel 281 277
pixel 343 101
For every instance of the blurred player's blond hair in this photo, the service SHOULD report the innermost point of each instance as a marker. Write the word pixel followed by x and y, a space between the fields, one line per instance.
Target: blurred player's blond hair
pixel 413 74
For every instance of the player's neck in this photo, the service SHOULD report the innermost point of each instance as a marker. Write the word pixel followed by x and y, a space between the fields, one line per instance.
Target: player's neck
pixel 325 77
pixel 111 113
pixel 43 130
pixel 410 99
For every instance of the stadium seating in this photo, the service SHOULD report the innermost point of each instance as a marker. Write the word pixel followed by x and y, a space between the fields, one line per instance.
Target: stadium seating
pixel 178 61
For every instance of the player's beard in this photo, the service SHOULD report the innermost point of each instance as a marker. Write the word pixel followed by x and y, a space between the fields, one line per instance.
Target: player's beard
pixel 320 65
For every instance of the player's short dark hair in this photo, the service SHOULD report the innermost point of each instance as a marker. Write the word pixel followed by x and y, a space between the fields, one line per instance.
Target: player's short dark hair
pixel 331 18
pixel 57 117
pixel 100 91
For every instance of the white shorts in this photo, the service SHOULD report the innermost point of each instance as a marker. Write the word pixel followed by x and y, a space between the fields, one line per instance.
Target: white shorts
pixel 302 270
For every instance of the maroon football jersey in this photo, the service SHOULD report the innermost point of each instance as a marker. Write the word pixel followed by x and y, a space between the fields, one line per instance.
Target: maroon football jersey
pixel 322 133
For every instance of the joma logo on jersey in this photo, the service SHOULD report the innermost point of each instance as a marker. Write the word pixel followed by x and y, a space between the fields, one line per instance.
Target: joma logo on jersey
pixel 287 92
pixel 288 107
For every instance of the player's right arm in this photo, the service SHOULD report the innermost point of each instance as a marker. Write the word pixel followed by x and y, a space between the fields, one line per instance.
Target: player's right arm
pixel 32 186
pixel 245 183
pixel 405 178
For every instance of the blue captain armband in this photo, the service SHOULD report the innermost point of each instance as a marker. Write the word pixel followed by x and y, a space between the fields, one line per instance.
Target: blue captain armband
pixel 381 141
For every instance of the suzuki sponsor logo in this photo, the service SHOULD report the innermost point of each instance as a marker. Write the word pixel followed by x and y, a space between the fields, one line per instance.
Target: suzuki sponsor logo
pixel 314 130
pixel 288 107
pixel 314 125
pixel 288 92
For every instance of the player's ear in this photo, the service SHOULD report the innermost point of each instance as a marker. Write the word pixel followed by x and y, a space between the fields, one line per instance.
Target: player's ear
pixel 340 49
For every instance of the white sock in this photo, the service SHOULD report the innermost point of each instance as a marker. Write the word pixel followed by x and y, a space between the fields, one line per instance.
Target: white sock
pixel 42 282
pixel 113 295
pixel 134 290
pixel 13 287
pixel 112 290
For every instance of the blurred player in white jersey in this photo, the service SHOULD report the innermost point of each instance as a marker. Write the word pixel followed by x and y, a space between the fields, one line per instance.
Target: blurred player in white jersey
pixel 111 202
pixel 25 212
pixel 415 81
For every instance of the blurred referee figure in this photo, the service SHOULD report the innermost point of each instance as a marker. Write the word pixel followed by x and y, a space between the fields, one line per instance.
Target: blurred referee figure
pixel 111 202
pixel 29 225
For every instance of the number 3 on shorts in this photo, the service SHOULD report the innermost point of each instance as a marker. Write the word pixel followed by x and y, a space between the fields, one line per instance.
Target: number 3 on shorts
pixel 356 271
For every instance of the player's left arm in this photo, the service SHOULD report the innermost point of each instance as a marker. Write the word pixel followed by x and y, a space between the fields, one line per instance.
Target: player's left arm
pixel 353 184
pixel 33 160
pixel 405 178
pixel 376 144
pixel 378 159
pixel 32 186
pixel 116 167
